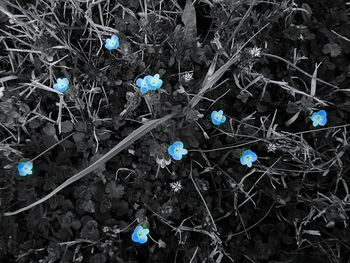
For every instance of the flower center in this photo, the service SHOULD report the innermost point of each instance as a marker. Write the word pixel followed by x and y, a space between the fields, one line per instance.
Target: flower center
pixel 62 85
pixel 177 150
pixel 112 42
pixel 218 117
pixel 248 158
pixel 153 81
pixel 319 118
pixel 139 234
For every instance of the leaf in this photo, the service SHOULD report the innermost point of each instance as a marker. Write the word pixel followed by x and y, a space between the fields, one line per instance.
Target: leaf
pixel 312 232
pixel 88 206
pixel 67 127
pixel 333 49
pixel 307 13
pixel 126 142
pixel 121 208
pixel 313 81
pixel 189 20
pixel 293 119
pixel 90 231
pixel 80 126
pixel 79 136
pixel 49 129
pixel 161 244
pixel 114 191
pixel 98 258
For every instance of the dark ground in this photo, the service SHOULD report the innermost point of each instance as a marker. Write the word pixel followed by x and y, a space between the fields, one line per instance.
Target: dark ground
pixel 291 206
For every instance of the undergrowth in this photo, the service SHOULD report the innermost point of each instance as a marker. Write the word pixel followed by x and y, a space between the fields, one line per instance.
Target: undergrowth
pixel 174 131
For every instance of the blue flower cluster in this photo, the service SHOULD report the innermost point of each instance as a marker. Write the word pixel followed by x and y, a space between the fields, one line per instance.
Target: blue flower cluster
pixel 149 83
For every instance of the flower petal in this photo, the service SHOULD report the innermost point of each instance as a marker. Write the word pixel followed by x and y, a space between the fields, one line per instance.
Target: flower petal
pixel 59 88
pixel 254 157
pixel 177 156
pixel 171 149
pixel 148 79
pixel 138 228
pixel 29 165
pixel 243 160
pixel 160 83
pixel 22 172
pixel 115 38
pixel 144 90
pixel 65 81
pixel 215 121
pixel 21 165
pixel 223 119
pixel 140 82
pixel 143 239
pixel 313 116
pixel 178 144
pixel 323 121
pixel 183 151
pixel 135 237
pixel 323 113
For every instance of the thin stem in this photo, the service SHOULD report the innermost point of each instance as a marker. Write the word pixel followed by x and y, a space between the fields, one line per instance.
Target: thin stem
pixel 205 204
pixel 300 70
pixel 57 143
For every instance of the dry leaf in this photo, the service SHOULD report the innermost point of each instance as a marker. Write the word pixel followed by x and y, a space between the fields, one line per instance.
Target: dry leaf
pixel 189 20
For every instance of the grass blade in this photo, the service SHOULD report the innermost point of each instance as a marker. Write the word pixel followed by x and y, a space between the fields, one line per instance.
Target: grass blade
pixel 126 142
pixel 313 81
pixel 211 78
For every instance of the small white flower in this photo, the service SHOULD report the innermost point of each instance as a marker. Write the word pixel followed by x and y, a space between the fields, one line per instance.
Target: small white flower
pixel 163 162
pixel 176 186
pixel 188 76
pixel 108 243
pixel 106 229
pixel 255 52
pixel 271 147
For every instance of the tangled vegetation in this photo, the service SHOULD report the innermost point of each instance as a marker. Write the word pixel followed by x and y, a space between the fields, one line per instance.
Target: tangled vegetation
pixel 174 131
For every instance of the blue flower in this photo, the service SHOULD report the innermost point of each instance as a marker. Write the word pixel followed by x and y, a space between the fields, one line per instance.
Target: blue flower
pixel 142 84
pixel 61 85
pixel 176 150
pixel 319 118
pixel 112 42
pixel 25 168
pixel 153 82
pixel 248 157
pixel 140 235
pixel 218 117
